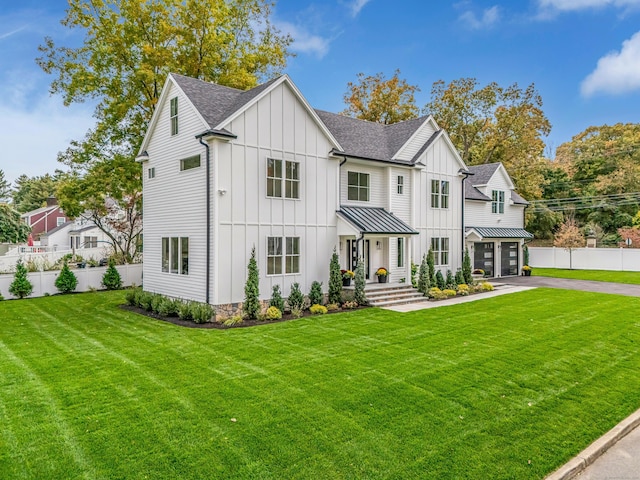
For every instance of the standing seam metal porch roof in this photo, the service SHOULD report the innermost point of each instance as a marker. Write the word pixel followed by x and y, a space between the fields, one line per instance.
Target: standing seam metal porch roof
pixel 375 220
pixel 500 232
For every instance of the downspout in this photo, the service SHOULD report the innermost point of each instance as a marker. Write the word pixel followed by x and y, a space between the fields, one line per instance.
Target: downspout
pixel 208 195
pixel 466 175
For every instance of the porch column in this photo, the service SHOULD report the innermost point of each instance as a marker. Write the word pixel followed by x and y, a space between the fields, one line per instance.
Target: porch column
pixel 408 242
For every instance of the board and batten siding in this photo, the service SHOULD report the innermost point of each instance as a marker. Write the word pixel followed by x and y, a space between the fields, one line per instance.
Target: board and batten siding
pixel 421 136
pixel 174 202
pixel 277 126
pixel 478 214
pixel 440 164
pixel 400 206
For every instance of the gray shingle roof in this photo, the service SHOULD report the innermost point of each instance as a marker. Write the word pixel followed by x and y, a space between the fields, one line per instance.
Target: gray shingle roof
pixel 483 173
pixel 472 193
pixel 375 220
pixel 360 138
pixel 500 232
pixel 216 102
pixel 517 199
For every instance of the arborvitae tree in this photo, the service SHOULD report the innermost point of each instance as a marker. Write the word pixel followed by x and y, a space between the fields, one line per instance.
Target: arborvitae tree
pixel 276 298
pixel 432 267
pixel 525 254
pixel 316 297
pixel 450 282
pixel 459 278
pixel 296 297
pixel 21 286
pixel 424 282
pixel 66 281
pixel 440 283
pixel 111 279
pixel 360 296
pixel 466 268
pixel 335 279
pixel 251 305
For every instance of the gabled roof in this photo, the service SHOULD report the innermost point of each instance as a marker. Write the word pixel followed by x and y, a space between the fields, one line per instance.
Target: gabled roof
pixel 58 228
pixel 370 140
pixel 517 199
pixel 375 220
pixel 483 173
pixel 472 193
pixel 496 232
pixel 39 210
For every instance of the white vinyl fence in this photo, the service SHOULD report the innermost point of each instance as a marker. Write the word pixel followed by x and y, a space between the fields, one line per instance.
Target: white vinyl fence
pixel 88 278
pixel 586 258
pixel 43 257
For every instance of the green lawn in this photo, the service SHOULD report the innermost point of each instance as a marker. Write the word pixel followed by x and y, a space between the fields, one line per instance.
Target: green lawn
pixel 507 387
pixel 598 275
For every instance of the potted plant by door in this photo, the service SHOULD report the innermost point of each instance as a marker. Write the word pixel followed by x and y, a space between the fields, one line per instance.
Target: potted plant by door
pixel 526 270
pixel 382 274
pixel 347 275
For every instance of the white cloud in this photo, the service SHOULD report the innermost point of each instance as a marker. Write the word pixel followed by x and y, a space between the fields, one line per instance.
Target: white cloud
pixel 573 5
pixel 13 32
pixel 489 17
pixel 356 6
pixel 305 41
pixel 616 72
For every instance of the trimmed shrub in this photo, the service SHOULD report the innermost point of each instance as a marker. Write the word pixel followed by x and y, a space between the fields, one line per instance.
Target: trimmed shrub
pixel 486 287
pixel 21 286
pixel 131 296
pixel 296 312
pixel 251 305
pixel 414 273
pixel 185 311
pixel 448 293
pixel 316 296
pixel 66 281
pixel 201 312
pixel 168 307
pixel 450 282
pixel 431 263
pixel 273 313
pixel 318 309
pixel 423 276
pixel 350 305
pixel 463 289
pixel 459 278
pixel 332 307
pixel 436 294
pixel 276 298
pixel 440 283
pixel 233 321
pixel 111 279
pixel 359 295
pixel 296 298
pixel 466 267
pixel 335 278
pixel 146 301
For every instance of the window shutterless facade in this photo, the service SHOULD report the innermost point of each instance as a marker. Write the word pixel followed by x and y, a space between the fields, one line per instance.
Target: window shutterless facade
pixel 283 250
pixel 189 163
pixel 275 178
pixel 400 252
pixel 152 172
pixel 497 201
pixel 400 185
pixel 358 186
pixel 175 255
pixel 174 116
pixel 439 193
pixel 440 248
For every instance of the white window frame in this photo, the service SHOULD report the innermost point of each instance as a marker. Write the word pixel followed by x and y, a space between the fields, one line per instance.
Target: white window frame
pixel 60 221
pixel 497 201
pixel 440 247
pixel 401 245
pixel 440 193
pixel 283 256
pixel 173 115
pixel 185 163
pixel 175 255
pixel 400 185
pixel 444 194
pixel 359 187
pixel 286 181
pixel 435 193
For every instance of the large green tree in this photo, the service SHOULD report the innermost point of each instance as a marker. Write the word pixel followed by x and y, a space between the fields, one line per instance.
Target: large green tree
pixel 129 48
pixel 30 193
pixel 5 188
pixel 376 99
pixel 495 124
pixel 12 230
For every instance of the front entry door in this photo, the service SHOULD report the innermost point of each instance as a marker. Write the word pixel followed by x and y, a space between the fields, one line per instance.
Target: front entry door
pixel 509 259
pixel 353 257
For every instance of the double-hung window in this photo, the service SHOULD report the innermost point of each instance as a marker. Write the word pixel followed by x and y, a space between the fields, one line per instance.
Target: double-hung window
pixel 174 116
pixel 440 247
pixel 497 201
pixel 358 186
pixel 276 176
pixel 439 193
pixel 175 255
pixel 283 250
pixel 400 184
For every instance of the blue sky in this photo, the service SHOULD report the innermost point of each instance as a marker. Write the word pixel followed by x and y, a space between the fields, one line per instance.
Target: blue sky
pixel 582 55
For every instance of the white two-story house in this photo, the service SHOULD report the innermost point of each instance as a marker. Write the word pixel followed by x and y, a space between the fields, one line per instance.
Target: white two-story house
pixel 228 170
pixel 494 221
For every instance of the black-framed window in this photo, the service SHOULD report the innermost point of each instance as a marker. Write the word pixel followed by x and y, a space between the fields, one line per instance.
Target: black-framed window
pixel 189 163
pixel 358 186
pixel 400 184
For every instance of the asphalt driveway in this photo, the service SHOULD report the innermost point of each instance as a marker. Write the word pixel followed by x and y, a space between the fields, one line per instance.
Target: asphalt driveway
pixel 570 284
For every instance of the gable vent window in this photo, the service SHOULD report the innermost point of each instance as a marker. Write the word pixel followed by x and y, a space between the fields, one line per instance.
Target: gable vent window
pixel 189 163
pixel 174 116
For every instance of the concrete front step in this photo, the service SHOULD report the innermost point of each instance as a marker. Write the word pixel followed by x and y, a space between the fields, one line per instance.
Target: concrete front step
pixel 393 295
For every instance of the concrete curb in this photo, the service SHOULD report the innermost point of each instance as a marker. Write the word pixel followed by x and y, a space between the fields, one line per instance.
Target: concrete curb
pixel 589 455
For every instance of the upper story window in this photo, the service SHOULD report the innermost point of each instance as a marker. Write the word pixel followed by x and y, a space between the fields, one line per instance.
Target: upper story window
pixel 440 248
pixel 497 201
pixel 400 185
pixel 174 116
pixel 439 193
pixel 60 221
pixel 189 163
pixel 275 178
pixel 358 186
pixel 152 172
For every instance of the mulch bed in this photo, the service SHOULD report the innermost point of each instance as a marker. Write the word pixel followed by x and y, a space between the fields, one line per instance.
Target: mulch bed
pixel 247 323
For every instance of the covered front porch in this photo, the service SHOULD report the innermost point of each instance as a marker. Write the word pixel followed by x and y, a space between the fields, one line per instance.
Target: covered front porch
pixel 378 237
